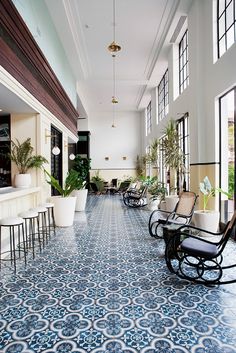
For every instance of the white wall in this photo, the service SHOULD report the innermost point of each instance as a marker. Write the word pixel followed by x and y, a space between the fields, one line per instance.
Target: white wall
pixel 115 143
pixel 208 81
pixel 36 16
pixel 36 125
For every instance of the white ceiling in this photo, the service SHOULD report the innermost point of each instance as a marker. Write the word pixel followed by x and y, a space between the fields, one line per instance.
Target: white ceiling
pixel 10 103
pixel 85 28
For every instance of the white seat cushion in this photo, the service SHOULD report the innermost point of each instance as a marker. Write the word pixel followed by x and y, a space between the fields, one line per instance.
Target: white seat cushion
pixel 11 221
pixel 28 214
pixel 39 209
pixel 47 205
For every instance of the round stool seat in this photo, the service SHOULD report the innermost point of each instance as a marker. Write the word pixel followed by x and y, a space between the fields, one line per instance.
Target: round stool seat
pixel 47 205
pixel 11 221
pixel 28 214
pixel 39 209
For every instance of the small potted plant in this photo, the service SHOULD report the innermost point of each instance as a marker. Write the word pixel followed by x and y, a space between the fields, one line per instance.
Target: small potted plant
pixel 157 193
pixel 82 167
pixel 205 218
pixel 22 155
pixel 99 182
pixel 64 205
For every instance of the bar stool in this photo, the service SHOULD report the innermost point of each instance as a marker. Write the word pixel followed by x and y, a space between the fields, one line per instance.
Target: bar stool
pixel 13 224
pixel 51 226
pixel 42 225
pixel 31 223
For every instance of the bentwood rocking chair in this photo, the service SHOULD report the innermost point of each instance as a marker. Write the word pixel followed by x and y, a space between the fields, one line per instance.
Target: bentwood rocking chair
pixel 198 259
pixel 182 214
pixel 135 197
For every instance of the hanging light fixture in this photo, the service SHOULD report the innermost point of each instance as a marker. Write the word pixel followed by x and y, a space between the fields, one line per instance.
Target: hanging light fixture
pixel 113 116
pixel 114 47
pixel 114 100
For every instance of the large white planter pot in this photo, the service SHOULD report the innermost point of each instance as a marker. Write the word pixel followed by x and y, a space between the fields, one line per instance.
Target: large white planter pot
pixel 171 202
pixel 64 210
pixel 22 180
pixel 152 204
pixel 208 220
pixel 81 198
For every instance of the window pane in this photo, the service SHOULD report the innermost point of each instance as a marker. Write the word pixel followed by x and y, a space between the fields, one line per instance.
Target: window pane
pixel 221 6
pixel 229 15
pixel 226 18
pixel 163 96
pixel 221 26
pixel 230 37
pixel 222 46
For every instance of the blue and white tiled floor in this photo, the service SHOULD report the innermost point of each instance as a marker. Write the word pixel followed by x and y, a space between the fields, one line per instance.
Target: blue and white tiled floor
pixel 102 286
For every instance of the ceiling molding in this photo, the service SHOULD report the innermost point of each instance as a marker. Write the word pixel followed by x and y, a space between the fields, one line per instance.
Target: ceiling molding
pixel 160 38
pixel 74 23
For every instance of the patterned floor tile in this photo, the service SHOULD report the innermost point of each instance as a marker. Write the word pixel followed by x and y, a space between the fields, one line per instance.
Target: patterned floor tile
pixel 102 286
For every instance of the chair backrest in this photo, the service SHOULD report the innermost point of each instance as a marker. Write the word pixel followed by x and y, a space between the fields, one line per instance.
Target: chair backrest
pixel 228 230
pixel 186 203
pixel 124 185
pixel 114 182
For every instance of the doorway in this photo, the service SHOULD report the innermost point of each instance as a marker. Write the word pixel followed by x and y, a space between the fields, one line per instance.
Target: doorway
pixel 227 153
pixel 56 160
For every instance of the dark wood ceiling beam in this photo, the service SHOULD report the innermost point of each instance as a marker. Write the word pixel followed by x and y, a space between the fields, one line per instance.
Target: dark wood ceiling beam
pixel 23 59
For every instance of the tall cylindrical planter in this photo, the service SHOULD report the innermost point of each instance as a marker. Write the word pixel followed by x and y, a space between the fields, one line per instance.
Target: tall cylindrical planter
pixel 64 210
pixel 208 220
pixel 81 198
pixel 152 204
pixel 22 180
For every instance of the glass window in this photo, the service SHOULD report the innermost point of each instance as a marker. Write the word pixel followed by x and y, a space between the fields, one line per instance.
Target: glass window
pixel 183 63
pixel 227 154
pixel 149 118
pixel 226 25
pixel 183 132
pixel 161 163
pixel 163 96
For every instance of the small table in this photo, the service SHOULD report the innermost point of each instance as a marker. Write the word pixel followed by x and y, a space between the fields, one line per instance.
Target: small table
pixel 169 231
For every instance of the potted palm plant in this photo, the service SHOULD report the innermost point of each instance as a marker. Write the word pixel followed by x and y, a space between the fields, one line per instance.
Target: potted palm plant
pixel 64 205
pixel 82 167
pixel 22 155
pixel 174 161
pixel 205 218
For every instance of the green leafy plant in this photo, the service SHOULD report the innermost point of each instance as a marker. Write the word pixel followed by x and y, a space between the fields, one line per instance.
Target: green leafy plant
pixel 22 155
pixel 157 190
pixel 231 179
pixel 140 166
pixel 173 156
pixel 82 167
pixel 208 192
pixel 98 181
pixel 152 156
pixel 71 182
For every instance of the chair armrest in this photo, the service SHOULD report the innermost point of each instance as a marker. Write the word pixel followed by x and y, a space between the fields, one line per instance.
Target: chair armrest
pixel 187 235
pixel 199 229
pixel 162 211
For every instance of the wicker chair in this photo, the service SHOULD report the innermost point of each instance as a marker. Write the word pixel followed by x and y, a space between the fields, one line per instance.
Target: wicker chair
pixel 182 214
pixel 198 259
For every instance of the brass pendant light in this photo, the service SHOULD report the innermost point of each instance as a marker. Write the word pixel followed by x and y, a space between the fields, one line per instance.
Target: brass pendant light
pixel 114 47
